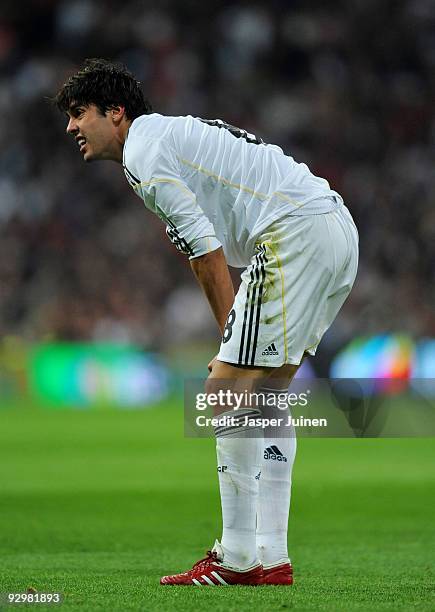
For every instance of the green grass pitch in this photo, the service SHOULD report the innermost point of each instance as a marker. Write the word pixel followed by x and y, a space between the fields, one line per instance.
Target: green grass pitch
pixel 98 505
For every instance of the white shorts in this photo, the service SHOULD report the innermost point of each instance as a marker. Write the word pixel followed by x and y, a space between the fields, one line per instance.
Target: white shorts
pixel 301 272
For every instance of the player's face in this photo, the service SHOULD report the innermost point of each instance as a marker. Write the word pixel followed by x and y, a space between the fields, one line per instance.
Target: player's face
pixel 93 132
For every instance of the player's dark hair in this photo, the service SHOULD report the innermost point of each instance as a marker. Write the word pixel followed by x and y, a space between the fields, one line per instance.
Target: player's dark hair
pixel 106 85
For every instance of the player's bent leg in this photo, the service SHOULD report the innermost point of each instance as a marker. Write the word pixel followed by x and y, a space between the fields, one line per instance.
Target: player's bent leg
pixel 274 477
pixel 239 447
pixel 275 486
pixel 273 496
pixel 273 506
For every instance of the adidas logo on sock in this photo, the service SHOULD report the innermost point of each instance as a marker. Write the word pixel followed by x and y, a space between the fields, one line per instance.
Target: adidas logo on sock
pixel 273 452
pixel 271 350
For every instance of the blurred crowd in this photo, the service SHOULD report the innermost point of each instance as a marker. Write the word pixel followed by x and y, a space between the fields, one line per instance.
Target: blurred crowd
pixel 345 86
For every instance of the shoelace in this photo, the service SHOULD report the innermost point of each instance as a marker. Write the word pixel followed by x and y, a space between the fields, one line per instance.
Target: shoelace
pixel 203 563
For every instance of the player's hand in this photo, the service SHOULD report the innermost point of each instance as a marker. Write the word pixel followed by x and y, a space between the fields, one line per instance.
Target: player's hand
pixel 211 364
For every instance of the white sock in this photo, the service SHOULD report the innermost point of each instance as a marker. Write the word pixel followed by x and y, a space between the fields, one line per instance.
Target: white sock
pixel 239 459
pixel 274 493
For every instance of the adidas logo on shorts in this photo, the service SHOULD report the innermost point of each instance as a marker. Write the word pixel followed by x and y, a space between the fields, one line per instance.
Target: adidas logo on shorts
pixel 271 350
pixel 273 452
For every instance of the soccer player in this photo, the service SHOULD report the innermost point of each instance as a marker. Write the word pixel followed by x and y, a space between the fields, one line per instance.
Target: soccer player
pixel 227 197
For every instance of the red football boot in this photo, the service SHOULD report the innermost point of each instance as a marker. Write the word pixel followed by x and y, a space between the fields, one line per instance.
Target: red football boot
pixel 280 573
pixel 211 571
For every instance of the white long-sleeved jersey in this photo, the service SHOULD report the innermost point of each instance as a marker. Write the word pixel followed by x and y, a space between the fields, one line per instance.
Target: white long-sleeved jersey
pixel 217 185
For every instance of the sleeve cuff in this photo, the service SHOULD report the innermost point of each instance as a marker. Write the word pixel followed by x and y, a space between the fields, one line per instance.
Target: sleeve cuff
pixel 205 245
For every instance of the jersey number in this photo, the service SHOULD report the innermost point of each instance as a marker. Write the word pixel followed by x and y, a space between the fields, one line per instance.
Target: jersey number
pixel 235 131
pixel 228 331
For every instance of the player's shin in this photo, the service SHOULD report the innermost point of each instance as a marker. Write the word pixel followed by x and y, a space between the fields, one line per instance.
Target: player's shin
pixel 278 455
pixel 239 452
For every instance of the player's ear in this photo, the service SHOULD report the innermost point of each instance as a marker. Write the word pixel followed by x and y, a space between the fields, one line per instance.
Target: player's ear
pixel 117 113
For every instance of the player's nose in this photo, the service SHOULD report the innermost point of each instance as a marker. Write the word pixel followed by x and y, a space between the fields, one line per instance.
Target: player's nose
pixel 71 127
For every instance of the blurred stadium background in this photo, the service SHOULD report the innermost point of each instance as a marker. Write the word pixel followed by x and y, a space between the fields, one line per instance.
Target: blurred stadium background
pixel 97 307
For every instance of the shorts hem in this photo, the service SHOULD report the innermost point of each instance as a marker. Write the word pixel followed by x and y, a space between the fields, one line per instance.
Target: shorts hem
pixel 259 365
